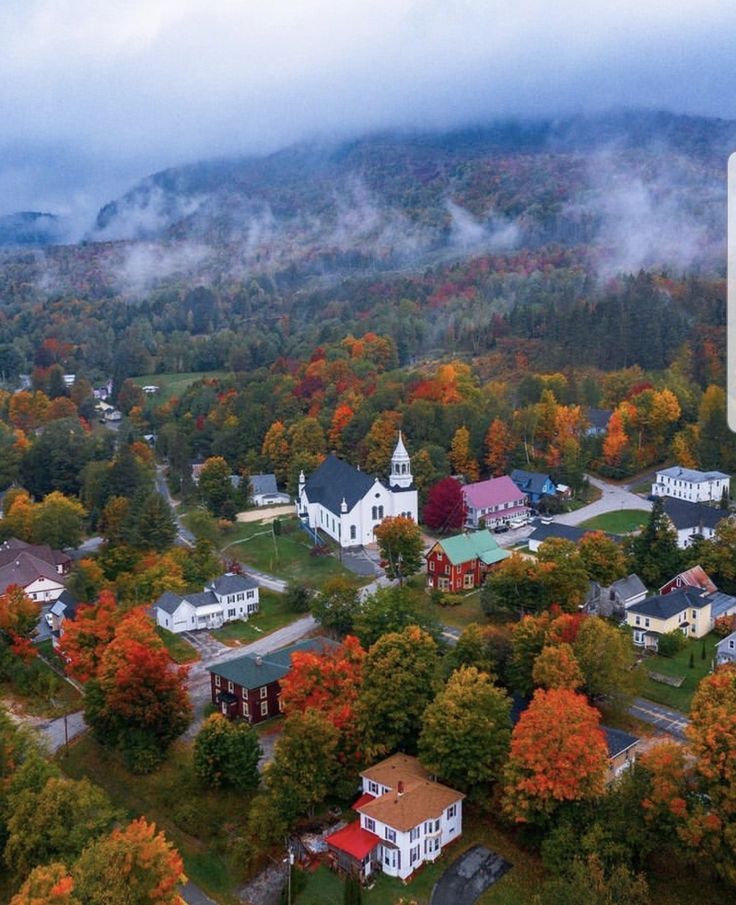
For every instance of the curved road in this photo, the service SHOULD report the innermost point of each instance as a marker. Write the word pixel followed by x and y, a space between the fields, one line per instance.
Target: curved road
pixel 613 499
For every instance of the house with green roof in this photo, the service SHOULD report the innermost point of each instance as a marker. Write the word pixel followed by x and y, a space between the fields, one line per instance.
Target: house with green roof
pixel 249 686
pixel 460 563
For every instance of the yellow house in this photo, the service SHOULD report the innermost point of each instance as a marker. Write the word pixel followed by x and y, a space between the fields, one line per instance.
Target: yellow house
pixel 688 609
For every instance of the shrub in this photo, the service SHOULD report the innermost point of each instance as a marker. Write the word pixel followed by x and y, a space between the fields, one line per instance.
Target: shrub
pixel 451 600
pixel 671 643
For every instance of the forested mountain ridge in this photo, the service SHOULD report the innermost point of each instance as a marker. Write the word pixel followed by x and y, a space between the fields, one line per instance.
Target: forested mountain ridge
pixel 591 242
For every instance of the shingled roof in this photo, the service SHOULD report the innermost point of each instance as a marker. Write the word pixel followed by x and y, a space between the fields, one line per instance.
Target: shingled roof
pixel 684 514
pixel 665 606
pixel 253 671
pixel 335 480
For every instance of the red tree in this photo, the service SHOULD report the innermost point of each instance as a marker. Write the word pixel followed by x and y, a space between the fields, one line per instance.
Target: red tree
pixel 558 753
pixel 445 508
pixel 86 637
pixel 18 620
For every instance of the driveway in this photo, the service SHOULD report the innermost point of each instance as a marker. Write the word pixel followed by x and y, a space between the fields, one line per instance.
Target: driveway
pixel 613 499
pixel 468 877
pixel 673 722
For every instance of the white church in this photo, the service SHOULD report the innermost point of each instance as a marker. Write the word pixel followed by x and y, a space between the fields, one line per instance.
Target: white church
pixel 348 504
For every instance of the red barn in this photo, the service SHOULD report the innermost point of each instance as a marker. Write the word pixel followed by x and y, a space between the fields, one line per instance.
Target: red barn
pixel 696 578
pixel 460 563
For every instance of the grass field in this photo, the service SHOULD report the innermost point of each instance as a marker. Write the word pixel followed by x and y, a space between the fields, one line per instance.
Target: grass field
pixel 180 650
pixel 679 665
pixel 273 615
pixel 40 691
pixel 174 384
pixel 620 521
pixel 194 818
pixel 286 556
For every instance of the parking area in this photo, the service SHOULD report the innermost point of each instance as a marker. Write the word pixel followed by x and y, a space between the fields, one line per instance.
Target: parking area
pixel 468 877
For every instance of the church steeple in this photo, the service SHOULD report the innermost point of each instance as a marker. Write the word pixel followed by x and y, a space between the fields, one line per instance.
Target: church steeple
pixel 401 475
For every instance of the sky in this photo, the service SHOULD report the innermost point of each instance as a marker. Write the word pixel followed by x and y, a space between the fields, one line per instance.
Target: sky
pixel 96 95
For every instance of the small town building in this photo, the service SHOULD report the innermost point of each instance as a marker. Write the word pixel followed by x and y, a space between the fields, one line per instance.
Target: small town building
pixel 460 563
pixel 726 650
pixel 36 568
pixel 405 820
pixel 494 502
pixel 533 484
pixel 691 610
pixel 225 599
pixel 248 688
pixel 692 521
pixel 265 492
pixel 348 505
pixel 543 532
pixel 616 598
pixel 695 577
pixel 597 421
pixel 691 484
pixel 63 609
pixel 622 751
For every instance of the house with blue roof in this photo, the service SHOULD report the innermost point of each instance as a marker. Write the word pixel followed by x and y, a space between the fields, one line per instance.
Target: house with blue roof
pixel 534 484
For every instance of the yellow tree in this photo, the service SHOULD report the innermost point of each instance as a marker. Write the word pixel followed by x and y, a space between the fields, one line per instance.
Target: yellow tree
pixel 276 449
pixel 380 442
pixel 461 460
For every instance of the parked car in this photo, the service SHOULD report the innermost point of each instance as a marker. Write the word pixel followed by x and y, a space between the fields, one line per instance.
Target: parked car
pixel 501 529
pixel 49 620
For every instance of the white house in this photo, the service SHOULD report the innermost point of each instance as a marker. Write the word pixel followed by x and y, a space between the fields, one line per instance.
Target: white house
pixel 225 599
pixel 348 504
pixel 692 521
pixel 690 484
pixel 264 491
pixel 406 819
pixel 36 568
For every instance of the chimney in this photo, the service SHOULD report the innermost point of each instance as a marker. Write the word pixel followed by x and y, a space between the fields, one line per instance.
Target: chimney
pixel 399 789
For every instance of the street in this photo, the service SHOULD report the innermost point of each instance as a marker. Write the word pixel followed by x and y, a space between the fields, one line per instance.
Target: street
pixel 673 722
pixel 613 499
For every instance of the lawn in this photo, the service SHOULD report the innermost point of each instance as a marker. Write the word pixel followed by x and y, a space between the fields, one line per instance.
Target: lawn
pixel 286 556
pixel 620 521
pixel 171 385
pixel 679 665
pixel 195 818
pixel 180 650
pixel 274 614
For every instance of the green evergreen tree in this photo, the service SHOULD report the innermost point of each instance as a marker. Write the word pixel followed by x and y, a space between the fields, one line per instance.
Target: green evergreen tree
pixel 352 891
pixel 152 524
pixel 656 556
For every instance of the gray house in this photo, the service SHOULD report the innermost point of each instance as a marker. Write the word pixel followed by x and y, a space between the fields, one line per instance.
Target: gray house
pixel 264 492
pixel 726 650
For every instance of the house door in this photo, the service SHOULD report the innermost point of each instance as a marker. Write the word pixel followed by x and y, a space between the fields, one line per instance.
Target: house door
pixel 223 707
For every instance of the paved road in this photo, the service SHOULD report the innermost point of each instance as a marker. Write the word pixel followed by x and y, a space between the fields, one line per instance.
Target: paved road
pixel 183 533
pixel 673 722
pixel 613 499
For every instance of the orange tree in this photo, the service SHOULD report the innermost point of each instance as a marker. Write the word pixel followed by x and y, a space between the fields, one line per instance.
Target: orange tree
pixel 558 754
pixel 87 635
pixel 137 700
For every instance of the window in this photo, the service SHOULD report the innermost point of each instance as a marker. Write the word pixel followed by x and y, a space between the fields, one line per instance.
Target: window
pixel 695 615
pixel 638 621
pixel 468 581
pixel 380 511
pixel 431 565
pixel 414 854
pixel 229 686
pixel 414 834
pixel 264 708
pixel 245 708
pixel 250 595
pixel 370 824
pixel 451 811
pixel 217 681
pixel 231 612
pixel 353 532
pixel 374 513
pixel 390 834
pixel 372 787
pixel 646 623
pixel 264 691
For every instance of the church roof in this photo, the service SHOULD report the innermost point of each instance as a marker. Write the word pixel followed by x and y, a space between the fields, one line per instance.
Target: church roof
pixel 334 480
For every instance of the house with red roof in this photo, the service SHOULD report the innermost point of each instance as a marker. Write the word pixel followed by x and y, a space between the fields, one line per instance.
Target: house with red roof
pixel 494 502
pixel 405 820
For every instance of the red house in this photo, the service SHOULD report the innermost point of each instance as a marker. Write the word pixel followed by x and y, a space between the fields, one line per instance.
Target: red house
pixel 248 686
pixel 460 563
pixel 696 578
